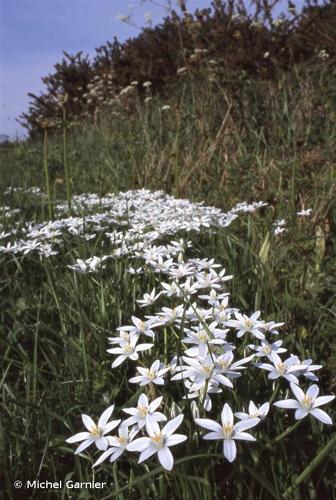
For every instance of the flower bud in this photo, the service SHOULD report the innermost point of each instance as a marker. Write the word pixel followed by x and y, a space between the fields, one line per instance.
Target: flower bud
pixel 175 410
pixel 194 410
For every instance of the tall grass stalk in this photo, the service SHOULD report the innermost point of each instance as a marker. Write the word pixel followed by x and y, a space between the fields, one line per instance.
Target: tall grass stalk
pixel 65 156
pixel 46 172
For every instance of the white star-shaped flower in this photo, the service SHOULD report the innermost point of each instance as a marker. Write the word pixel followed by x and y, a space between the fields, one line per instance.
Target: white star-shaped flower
pixel 307 403
pixel 118 444
pixel 245 324
pixel 228 431
pixel 128 350
pixel 148 375
pixel 159 441
pixel 254 411
pixel 95 433
pixel 143 411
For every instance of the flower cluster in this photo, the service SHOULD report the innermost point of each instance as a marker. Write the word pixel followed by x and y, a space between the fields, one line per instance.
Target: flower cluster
pixel 147 216
pixel 143 417
pixel 199 342
pixel 186 336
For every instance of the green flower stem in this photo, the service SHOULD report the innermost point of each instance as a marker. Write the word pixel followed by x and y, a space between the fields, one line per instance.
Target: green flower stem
pixel 165 344
pixel 309 469
pixel 287 431
pixel 275 393
pixel 283 434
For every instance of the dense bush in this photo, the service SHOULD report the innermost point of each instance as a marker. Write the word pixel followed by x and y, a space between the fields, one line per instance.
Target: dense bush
pixel 226 35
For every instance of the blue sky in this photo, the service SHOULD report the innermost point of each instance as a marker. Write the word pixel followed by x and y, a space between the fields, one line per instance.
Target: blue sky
pixel 35 32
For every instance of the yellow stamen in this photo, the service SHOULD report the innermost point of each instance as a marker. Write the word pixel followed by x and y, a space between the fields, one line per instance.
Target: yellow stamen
pixel 158 439
pixel 281 367
pixel 128 347
pixel 306 402
pixel 227 429
pixel 248 324
pixel 224 364
pixel 143 411
pixel 96 431
pixel 203 337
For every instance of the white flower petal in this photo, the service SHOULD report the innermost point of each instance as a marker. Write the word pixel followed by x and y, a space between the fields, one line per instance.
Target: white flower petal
pixel 292 404
pixel 144 347
pixel 244 436
pixel 313 391
pixel 111 425
pixel 84 445
pixel 103 419
pixel 166 458
pixel 155 404
pixel 252 408
pixel 155 366
pixel 291 378
pixel 78 437
pixel 322 400
pixel 158 381
pixel 143 400
pixel 230 449
pixel 116 454
pixel 264 409
pixel 88 422
pixel 152 426
pixel 265 366
pixel 255 315
pixel 206 423
pixel 101 443
pixel 297 391
pixel 242 415
pixel 172 425
pixel 214 435
pixel 227 415
pixel 139 444
pixel 146 453
pixel 175 439
pixel 143 371
pixel 103 457
pixel 118 361
pixel 300 413
pixel 321 415
pixel 115 350
pixel 223 380
pixel 245 424
pixel 131 411
pixel 158 416
pixel 135 380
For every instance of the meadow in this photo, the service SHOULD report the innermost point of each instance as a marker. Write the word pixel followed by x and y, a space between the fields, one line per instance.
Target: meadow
pixel 169 262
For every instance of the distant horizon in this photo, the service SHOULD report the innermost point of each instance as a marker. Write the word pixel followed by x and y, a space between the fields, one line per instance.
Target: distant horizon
pixel 35 33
